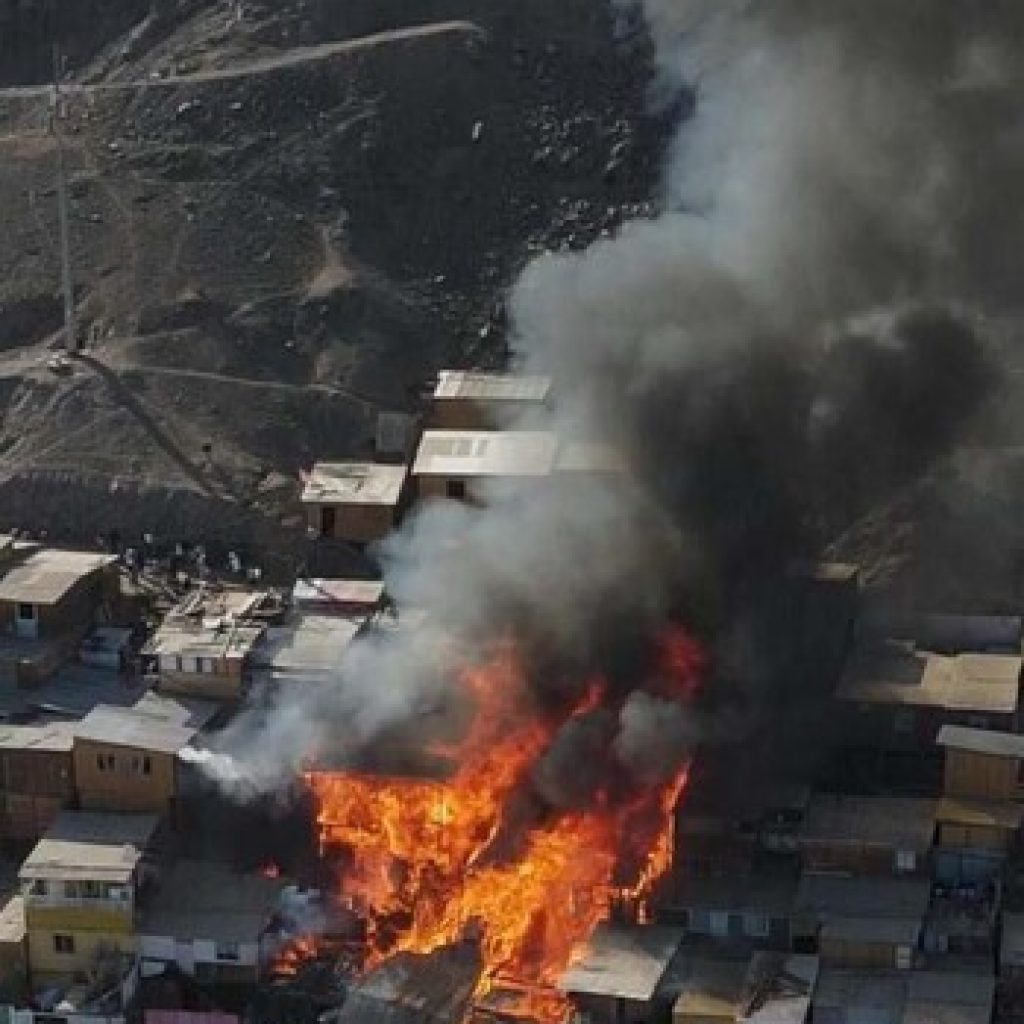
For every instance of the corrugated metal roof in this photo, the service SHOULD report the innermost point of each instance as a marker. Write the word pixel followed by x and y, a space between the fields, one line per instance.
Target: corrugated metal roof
pixel 131 727
pixel 963 988
pixel 897 674
pixel 624 962
pixel 980 813
pixel 490 387
pixel 367 593
pixel 355 483
pixel 482 453
pixel 89 845
pixel 981 741
pixel 869 931
pixel 50 737
pixel 715 988
pixel 876 996
pixel 897 822
pixel 835 896
pixel 46 576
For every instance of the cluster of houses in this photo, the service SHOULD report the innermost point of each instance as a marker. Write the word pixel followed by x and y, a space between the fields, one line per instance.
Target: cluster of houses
pixel 893 895
pixel 896 900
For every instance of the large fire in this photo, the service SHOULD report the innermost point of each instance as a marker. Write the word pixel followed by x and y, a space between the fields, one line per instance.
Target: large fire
pixel 427 863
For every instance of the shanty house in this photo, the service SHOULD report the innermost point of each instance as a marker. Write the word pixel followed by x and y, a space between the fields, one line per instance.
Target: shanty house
pixel 355 502
pixel 974 838
pixel 900 697
pixel 982 763
pixel 126 759
pixel 962 921
pixel 867 835
pixel 861 922
pixel 461 464
pixel 485 401
pixel 81 886
pixel 36 778
pixel 617 977
pixel 205 660
pixel 210 922
pixel 48 602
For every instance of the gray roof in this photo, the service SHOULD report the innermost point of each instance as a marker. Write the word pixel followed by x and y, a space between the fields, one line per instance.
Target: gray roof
pixel 625 962
pixel 878 996
pixel 187 639
pixel 589 457
pixel 486 453
pixel 898 674
pixel 206 900
pixel 308 644
pixel 73 692
pixel 780 987
pixel 920 1012
pixel 896 822
pixel 491 387
pixel 91 846
pixel 190 712
pixel 131 727
pixel 828 897
pixel 982 741
pixel 963 988
pixel 355 483
pixel 758 892
pixel 46 576
pixel 881 931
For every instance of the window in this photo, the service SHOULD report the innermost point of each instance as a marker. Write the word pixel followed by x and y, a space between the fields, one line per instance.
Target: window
pixel 700 922
pixel 905 861
pixel 64 944
pixel 27 612
pixel 328 520
pixel 37 888
pixel 904 958
pixel 226 951
pixel 755 926
pixel 100 763
pixel 720 924
pixel 903 721
pixel 147 766
pixel 1020 773
pixel 457 489
pixel 178 666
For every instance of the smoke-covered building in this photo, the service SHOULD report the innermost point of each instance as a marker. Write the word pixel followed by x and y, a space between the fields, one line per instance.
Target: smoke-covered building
pixel 485 401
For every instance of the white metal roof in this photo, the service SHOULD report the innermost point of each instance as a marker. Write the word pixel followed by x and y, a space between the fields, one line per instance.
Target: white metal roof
pixel 342 592
pixel 50 737
pixel 46 576
pixel 132 727
pixel 981 741
pixel 625 962
pixel 490 387
pixel 484 453
pixel 355 483
pixel 89 845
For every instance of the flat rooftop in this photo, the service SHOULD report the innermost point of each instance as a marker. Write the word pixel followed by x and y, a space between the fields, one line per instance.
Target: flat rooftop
pixel 89 845
pixel 310 644
pixel 355 483
pixel 211 605
pixel 71 693
pixel 207 900
pixel 622 962
pixel 831 897
pixel 897 822
pixel 901 675
pixel 47 737
pixel 873 931
pixel 456 385
pixel 135 728
pixel 486 453
pixel 46 576
pixel 878 996
pixel 187 640
pixel 344 593
pixel 589 457
pixel 715 989
pixel 981 741
pixel 759 891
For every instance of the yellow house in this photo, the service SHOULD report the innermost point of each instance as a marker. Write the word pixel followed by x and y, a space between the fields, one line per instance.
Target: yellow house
pixel 81 885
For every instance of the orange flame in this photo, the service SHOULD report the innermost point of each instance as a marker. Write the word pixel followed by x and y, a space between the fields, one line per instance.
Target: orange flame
pixel 429 862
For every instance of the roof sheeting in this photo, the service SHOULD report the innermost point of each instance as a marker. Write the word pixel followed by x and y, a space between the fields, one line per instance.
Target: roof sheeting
pixel 49 738
pixel 714 989
pixel 872 931
pixel 486 453
pixel 460 385
pixel 46 576
pixel 355 483
pixel 132 727
pixel 91 846
pixel 324 593
pixel 834 896
pixel 1000 814
pixel 622 962
pixel 898 674
pixel 981 741
pixel 896 822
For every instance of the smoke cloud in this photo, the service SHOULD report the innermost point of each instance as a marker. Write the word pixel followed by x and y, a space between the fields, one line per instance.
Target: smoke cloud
pixel 796 334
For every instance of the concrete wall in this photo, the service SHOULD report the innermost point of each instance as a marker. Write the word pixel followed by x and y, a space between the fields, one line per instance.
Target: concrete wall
pixel 225 684
pixel 125 786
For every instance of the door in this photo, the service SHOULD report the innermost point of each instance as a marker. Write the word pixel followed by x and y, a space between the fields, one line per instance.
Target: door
pixel 27 621
pixel 328 520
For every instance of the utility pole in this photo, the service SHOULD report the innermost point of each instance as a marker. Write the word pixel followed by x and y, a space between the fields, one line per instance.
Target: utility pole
pixel 67 284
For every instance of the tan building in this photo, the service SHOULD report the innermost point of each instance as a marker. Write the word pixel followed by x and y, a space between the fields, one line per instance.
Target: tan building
pixel 206 661
pixel 126 760
pixel 460 464
pixel 968 823
pixel 983 764
pixel 485 401
pixel 355 502
pixel 48 602
pixel 81 886
pixel 36 778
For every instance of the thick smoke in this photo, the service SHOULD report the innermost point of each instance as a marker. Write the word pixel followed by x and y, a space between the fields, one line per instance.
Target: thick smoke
pixel 793 337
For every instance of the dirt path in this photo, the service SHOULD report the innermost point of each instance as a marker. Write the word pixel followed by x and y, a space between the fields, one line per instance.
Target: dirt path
pixel 263 65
